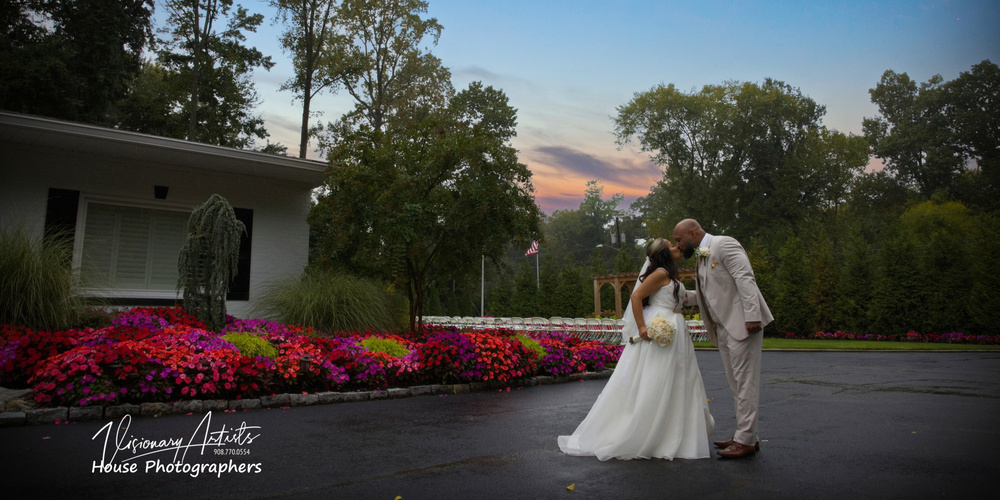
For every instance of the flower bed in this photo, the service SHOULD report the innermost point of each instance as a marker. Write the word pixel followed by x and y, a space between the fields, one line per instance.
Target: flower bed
pixel 912 336
pixel 163 355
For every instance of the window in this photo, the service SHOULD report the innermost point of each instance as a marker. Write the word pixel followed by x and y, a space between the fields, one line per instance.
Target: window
pixel 131 248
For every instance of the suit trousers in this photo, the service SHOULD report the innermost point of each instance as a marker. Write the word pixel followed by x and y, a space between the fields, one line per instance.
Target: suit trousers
pixel 741 360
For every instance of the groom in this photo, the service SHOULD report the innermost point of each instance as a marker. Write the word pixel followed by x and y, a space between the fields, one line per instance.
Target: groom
pixel 734 313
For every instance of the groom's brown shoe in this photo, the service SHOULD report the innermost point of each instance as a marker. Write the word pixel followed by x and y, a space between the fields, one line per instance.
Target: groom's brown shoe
pixel 729 442
pixel 738 450
pixel 723 444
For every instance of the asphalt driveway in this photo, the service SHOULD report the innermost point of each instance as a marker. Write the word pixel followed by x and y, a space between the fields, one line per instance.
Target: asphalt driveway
pixel 833 425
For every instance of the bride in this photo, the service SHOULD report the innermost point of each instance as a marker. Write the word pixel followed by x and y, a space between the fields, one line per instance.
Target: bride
pixel 654 405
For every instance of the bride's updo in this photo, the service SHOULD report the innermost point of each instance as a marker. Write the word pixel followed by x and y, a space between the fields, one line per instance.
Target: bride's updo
pixel 659 254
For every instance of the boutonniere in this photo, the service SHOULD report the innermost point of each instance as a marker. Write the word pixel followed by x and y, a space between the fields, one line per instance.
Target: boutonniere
pixel 701 252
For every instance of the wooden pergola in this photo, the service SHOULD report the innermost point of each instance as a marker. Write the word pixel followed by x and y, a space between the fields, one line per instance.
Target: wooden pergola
pixel 625 279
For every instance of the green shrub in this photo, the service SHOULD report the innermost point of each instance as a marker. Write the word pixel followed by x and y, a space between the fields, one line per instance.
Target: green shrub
pixel 532 345
pixel 332 301
pixel 36 281
pixel 388 346
pixel 251 345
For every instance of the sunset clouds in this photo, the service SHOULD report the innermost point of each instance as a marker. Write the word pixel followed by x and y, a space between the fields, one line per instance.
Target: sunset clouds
pixel 562 173
pixel 566 65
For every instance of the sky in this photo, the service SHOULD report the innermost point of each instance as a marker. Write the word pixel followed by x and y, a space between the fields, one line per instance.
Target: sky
pixel 566 65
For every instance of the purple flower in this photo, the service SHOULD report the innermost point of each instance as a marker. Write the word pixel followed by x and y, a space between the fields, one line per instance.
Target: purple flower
pixel 140 319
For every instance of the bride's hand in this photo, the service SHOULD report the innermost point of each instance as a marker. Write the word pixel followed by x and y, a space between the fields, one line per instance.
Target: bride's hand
pixel 642 332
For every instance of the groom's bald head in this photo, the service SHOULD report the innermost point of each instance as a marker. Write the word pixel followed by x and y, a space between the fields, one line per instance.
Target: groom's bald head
pixel 687 235
pixel 687 225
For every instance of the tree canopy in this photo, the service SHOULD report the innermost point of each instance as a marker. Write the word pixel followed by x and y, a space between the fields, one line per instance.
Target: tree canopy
pixel 213 66
pixel 739 156
pixel 384 68
pixel 940 137
pixel 71 59
pixel 440 191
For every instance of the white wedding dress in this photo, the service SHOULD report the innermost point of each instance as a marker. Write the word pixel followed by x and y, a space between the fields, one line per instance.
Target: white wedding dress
pixel 654 404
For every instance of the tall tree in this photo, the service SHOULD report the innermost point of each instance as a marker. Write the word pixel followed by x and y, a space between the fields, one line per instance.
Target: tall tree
pixel 975 110
pixel 71 59
pixel 216 66
pixel 577 232
pixel 312 37
pixel 600 213
pixel 442 188
pixel 153 101
pixel 941 137
pixel 738 157
pixel 975 113
pixel 384 68
pixel 913 135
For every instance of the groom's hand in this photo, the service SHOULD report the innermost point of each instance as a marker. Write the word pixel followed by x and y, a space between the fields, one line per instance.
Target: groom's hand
pixel 753 327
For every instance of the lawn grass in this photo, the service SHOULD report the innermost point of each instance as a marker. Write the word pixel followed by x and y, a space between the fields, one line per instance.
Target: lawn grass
pixel 865 345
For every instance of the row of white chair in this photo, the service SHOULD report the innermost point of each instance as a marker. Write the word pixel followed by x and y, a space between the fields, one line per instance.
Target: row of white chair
pixel 605 329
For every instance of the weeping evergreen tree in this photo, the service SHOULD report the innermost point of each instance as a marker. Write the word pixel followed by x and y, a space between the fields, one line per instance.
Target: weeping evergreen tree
pixel 208 260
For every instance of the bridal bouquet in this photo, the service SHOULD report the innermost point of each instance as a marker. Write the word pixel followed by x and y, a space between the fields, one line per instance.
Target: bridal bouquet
pixel 660 331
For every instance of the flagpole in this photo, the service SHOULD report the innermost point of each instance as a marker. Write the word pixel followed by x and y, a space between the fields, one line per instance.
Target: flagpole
pixel 533 250
pixel 482 290
pixel 538 283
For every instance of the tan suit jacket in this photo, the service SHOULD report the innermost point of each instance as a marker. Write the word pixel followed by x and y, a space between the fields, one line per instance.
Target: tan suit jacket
pixel 726 286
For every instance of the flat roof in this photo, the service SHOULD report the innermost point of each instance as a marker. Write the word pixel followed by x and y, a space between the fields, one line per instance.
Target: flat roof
pixel 49 133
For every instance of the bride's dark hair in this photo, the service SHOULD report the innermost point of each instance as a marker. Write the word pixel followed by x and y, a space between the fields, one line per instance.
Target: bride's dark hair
pixel 658 252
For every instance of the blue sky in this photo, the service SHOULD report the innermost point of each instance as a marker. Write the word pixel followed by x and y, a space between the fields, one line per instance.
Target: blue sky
pixel 567 64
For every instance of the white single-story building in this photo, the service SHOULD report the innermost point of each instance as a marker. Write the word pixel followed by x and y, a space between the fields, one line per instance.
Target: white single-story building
pixel 126 197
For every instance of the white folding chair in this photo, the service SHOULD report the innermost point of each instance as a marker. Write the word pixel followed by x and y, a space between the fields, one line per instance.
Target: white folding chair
pixel 593 328
pixel 539 324
pixel 557 323
pixel 697 331
pixel 518 324
pixel 609 328
pixel 619 328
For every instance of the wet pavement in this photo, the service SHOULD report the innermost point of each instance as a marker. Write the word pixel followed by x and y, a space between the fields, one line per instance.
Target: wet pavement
pixel 833 425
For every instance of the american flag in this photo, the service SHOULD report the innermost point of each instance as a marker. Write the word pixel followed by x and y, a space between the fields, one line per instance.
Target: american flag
pixel 533 250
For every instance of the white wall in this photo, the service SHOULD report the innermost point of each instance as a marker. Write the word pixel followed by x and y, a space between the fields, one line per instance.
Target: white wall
pixel 280 232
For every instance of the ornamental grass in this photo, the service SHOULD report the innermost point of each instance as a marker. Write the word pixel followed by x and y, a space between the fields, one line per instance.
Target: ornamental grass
pixel 36 281
pixel 330 301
